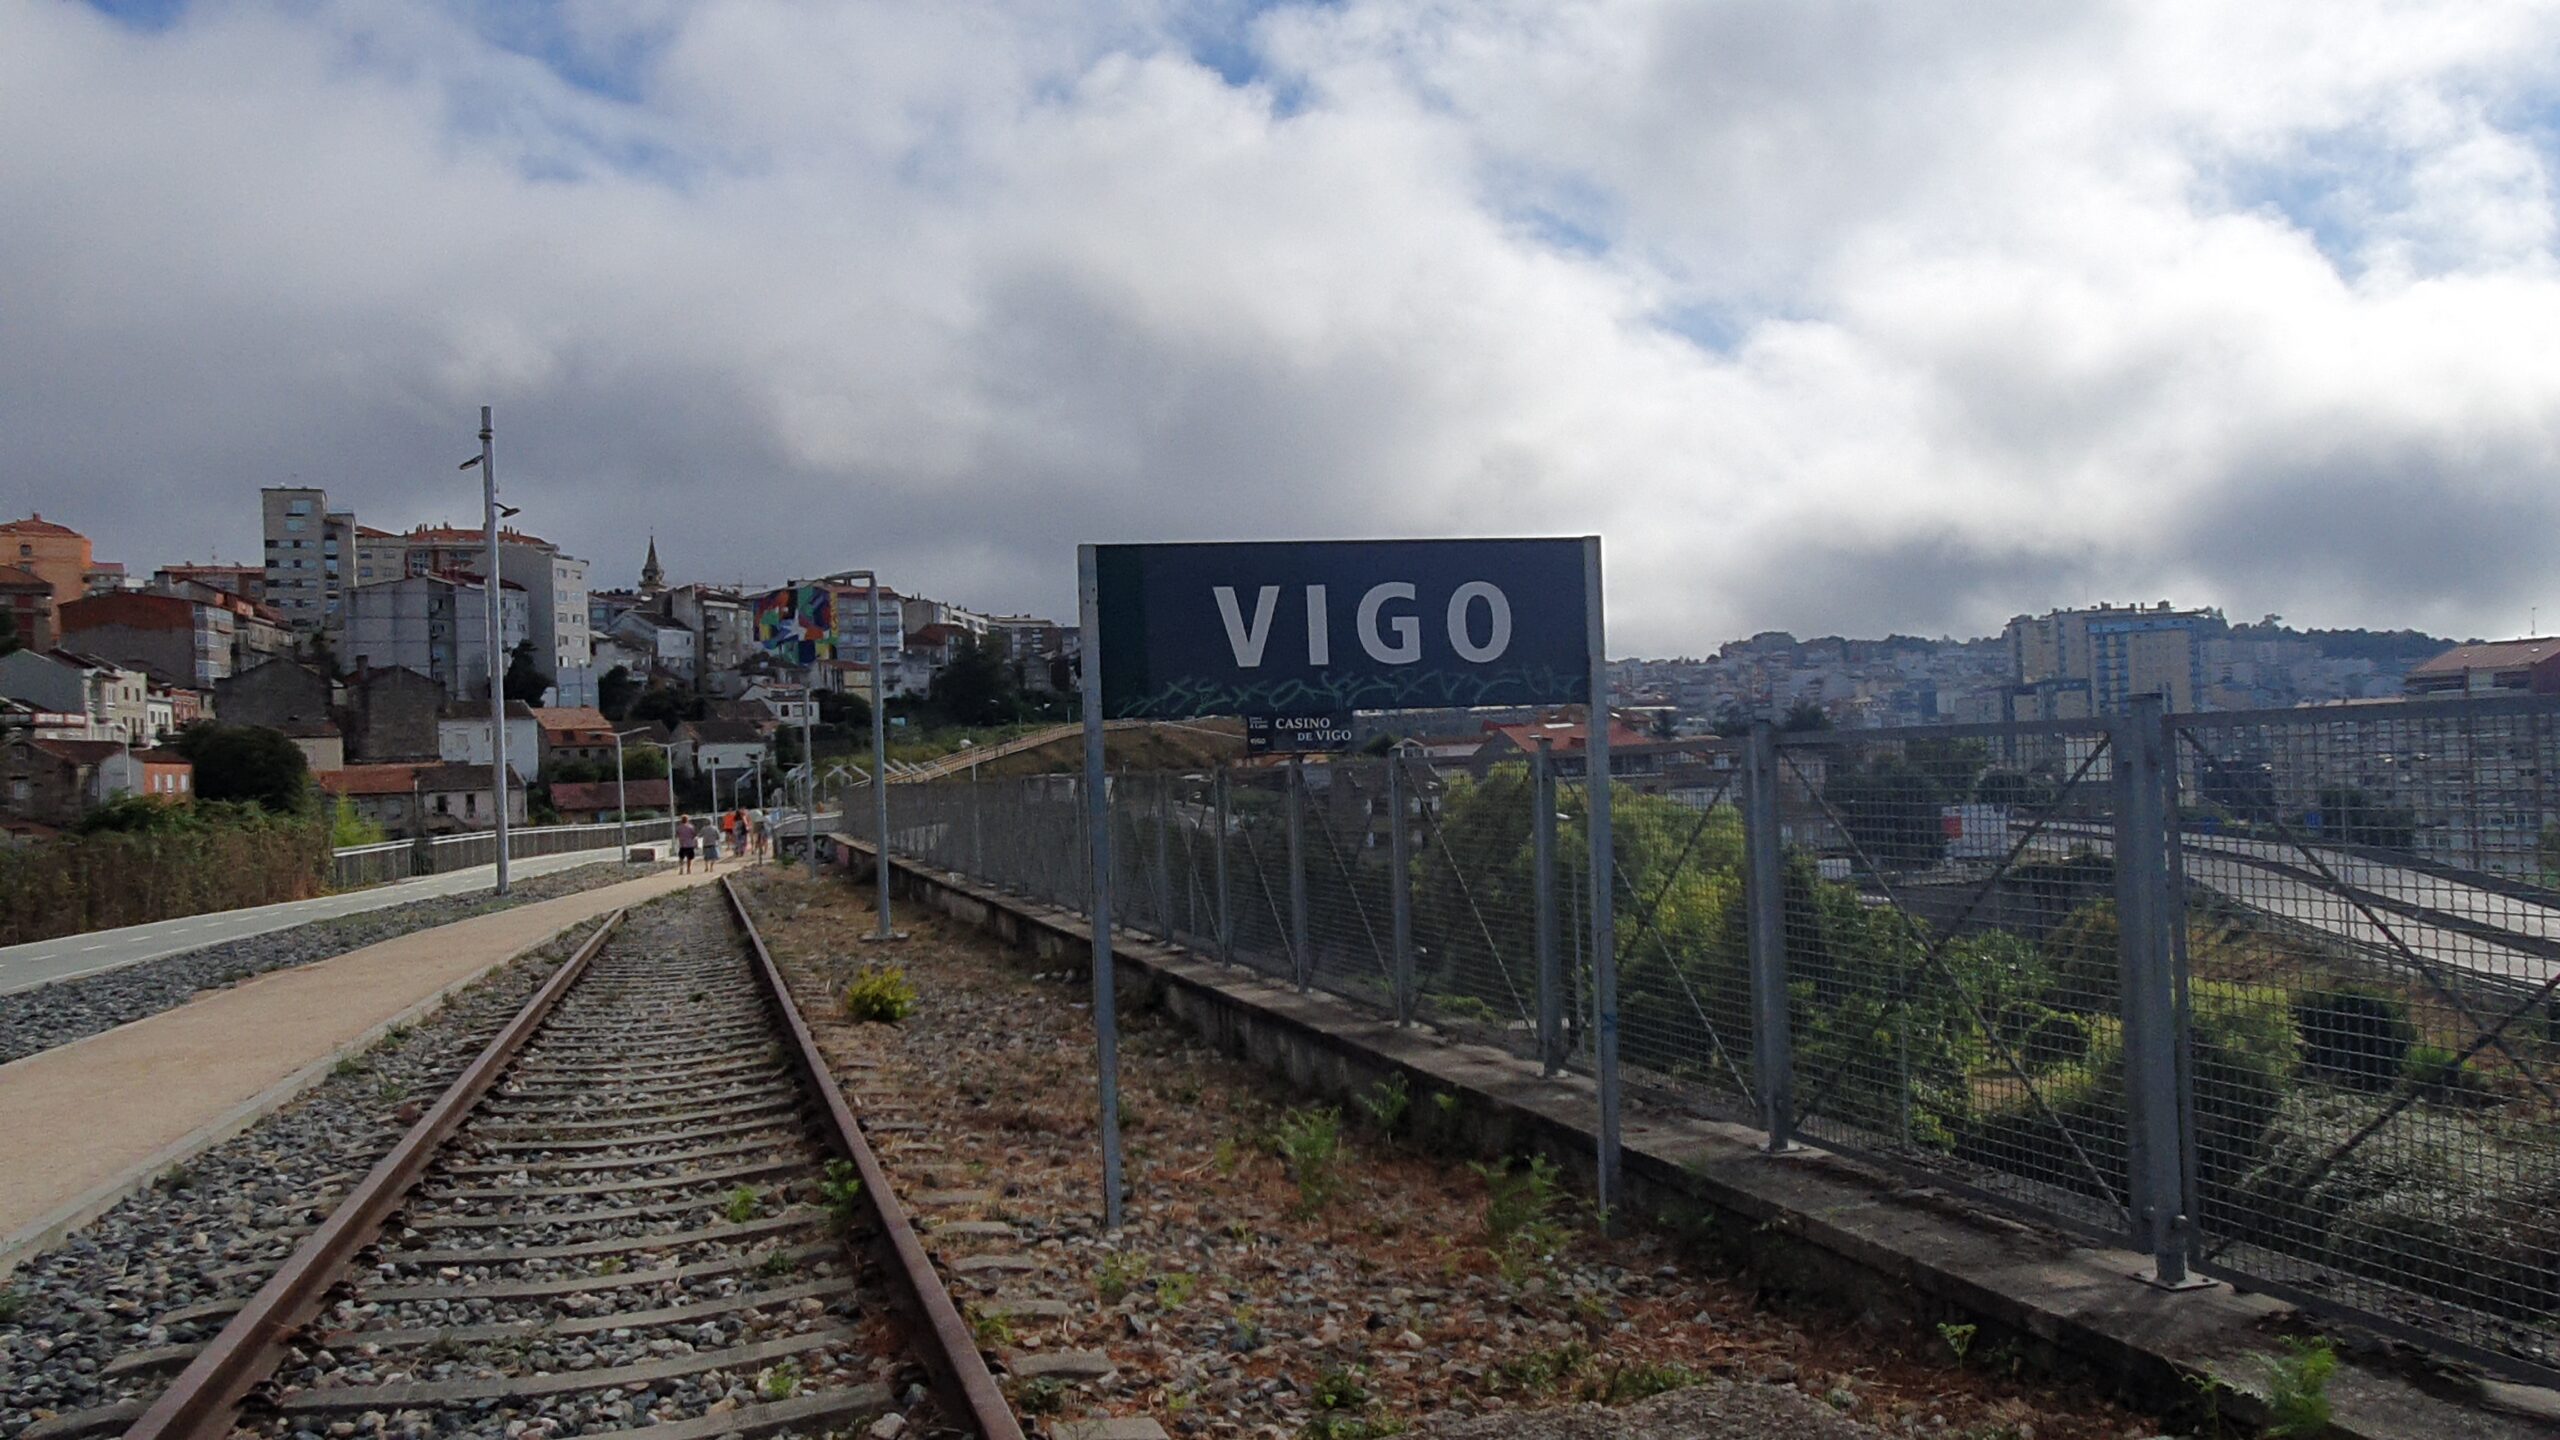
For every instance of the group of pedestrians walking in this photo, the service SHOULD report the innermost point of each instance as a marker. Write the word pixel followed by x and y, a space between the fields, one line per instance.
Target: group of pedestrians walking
pixel 745 833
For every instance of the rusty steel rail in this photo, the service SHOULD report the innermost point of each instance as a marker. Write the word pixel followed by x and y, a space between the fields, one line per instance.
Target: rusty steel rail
pixel 968 1388
pixel 204 1401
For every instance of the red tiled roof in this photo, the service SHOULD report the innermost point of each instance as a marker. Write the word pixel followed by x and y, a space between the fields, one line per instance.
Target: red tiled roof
pixel 36 524
pixel 13 578
pixel 585 717
pixel 1566 736
pixel 369 780
pixel 2498 655
pixel 133 611
pixel 79 752
pixel 451 535
pixel 367 532
pixel 655 794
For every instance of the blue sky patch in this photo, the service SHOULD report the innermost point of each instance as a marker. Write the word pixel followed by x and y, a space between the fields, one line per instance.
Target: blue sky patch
pixel 141 14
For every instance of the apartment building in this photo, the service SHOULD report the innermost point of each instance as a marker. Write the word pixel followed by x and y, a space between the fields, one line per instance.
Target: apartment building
pixel 436 625
pixel 554 584
pixel 115 700
pixel 249 582
pixel 2118 651
pixel 722 622
pixel 171 637
pixel 29 601
pixel 2506 667
pixel 56 554
pixel 309 548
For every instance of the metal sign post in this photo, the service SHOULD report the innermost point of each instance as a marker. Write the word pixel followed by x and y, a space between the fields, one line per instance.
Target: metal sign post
pixel 1097 818
pixel 1604 917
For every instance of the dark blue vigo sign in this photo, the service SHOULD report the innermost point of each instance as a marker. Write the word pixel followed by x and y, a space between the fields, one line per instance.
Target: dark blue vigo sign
pixel 1316 627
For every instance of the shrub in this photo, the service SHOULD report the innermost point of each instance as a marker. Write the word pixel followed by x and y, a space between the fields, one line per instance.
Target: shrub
pixel 2243 1046
pixel 2058 1038
pixel 2355 1033
pixel 2440 1074
pixel 880 993
pixel 1310 1142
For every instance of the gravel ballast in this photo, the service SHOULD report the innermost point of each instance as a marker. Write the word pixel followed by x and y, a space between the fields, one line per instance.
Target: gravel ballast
pixel 213 1230
pixel 1292 1269
pixel 57 1014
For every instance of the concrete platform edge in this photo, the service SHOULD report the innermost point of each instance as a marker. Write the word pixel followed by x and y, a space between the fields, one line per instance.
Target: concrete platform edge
pixel 1813 1223
pixel 45 1233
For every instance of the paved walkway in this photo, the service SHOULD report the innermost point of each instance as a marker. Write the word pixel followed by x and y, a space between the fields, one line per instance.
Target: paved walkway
pixel 68 957
pixel 84 1124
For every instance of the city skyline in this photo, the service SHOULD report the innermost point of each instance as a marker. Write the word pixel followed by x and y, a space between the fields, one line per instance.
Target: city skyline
pixel 1829 320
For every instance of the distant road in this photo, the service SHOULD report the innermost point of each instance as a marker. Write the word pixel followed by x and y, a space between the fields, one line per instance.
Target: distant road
pixel 2455 924
pixel 41 962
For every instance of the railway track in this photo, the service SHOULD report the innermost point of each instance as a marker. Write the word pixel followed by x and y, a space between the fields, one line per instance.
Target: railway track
pixel 645 1204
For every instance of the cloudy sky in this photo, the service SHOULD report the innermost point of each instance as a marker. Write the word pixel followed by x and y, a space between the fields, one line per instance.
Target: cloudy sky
pixel 1826 315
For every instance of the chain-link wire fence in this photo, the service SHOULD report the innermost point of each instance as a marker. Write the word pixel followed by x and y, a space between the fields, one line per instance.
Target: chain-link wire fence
pixel 2372 954
pixel 2272 994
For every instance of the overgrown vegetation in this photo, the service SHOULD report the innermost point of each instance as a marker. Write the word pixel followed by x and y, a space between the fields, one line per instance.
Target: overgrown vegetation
pixel 1521 1225
pixel 880 993
pixel 2298 1389
pixel 1120 1272
pixel 147 860
pixel 1344 1408
pixel 840 1195
pixel 1309 1142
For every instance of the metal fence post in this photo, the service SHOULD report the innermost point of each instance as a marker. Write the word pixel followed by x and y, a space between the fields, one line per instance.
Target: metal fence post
pixel 1164 858
pixel 1765 895
pixel 1226 911
pixel 1300 962
pixel 1542 865
pixel 2154 1148
pixel 1400 887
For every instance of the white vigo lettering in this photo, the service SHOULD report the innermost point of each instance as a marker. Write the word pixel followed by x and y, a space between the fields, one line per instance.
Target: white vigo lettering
pixel 1247 642
pixel 1497 606
pixel 1408 645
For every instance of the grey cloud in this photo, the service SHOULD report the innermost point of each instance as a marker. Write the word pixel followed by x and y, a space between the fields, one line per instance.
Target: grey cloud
pixel 948 290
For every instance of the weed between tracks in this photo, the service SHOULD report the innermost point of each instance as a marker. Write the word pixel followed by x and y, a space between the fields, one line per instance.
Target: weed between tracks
pixel 1312 1270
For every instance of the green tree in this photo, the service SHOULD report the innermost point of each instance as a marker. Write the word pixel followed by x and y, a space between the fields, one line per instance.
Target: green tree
pixel 132 814
pixel 1805 715
pixel 615 692
pixel 248 763
pixel 837 708
pixel 1889 806
pixel 977 687
pixel 1732 721
pixel 2357 818
pixel 524 679
pixel 667 706
pixel 347 827
pixel 10 641
pixel 641 762
pixel 2021 790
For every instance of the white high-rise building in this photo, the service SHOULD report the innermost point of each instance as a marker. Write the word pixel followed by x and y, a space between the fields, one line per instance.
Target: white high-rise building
pixel 555 586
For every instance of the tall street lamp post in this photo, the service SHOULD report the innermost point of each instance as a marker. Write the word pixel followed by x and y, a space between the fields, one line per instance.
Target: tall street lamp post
pixel 491 603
